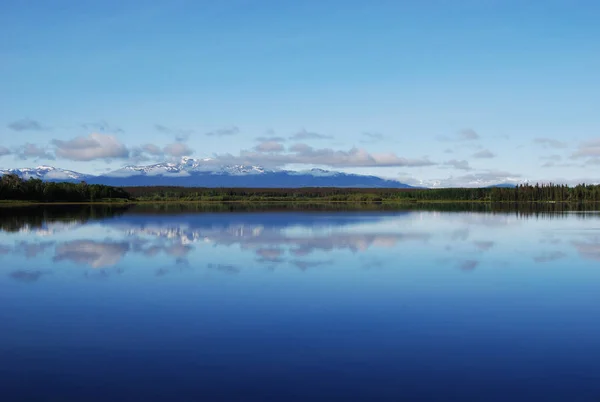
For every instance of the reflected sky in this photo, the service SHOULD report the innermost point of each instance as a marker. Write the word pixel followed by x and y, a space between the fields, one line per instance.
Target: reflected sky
pixel 467 241
pixel 358 305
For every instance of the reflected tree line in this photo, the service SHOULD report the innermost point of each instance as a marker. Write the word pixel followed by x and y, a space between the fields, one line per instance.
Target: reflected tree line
pixel 16 218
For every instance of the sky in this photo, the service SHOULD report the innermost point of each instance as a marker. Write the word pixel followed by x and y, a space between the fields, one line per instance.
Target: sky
pixel 437 93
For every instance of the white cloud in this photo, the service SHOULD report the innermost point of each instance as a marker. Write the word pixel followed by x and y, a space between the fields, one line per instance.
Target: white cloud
pixel 307 135
pixel 94 146
pixel 32 151
pixel 153 152
pixel 588 149
pixel 152 149
pixel 475 179
pixel 468 134
pixel 303 154
pixel 550 143
pixel 102 126
pixel 484 154
pixel 373 136
pixel 553 158
pixel 4 151
pixel 180 134
pixel 458 164
pixel 177 149
pixel 554 161
pixel 27 125
pixel 224 132
pixel 269 146
pixel 270 138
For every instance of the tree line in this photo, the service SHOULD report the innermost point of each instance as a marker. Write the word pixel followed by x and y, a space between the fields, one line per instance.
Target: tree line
pixel 522 193
pixel 548 192
pixel 519 194
pixel 12 187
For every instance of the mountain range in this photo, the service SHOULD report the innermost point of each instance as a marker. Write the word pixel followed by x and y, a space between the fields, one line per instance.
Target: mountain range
pixel 189 172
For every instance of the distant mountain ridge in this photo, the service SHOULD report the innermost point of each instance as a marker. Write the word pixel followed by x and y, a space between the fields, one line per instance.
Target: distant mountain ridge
pixel 47 173
pixel 189 172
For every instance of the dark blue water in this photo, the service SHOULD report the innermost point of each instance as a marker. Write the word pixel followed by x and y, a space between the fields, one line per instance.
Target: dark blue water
pixel 290 306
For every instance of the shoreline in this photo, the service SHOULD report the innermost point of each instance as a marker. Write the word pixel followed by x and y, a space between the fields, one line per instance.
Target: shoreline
pixel 15 203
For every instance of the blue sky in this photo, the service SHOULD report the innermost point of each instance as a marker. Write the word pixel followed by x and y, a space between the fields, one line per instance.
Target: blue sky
pixel 433 92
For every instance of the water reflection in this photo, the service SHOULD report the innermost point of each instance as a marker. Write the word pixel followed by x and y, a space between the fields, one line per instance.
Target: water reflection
pixel 588 249
pixel 468 265
pixel 298 305
pixel 38 217
pixel 484 245
pixel 26 276
pixel 105 238
pixel 96 254
pixel 32 250
pixel 548 256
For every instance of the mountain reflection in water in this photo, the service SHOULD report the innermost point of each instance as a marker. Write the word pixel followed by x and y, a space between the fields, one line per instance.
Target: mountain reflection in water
pixel 234 303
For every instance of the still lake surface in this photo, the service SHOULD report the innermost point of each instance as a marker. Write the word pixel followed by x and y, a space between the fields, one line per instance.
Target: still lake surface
pixel 141 305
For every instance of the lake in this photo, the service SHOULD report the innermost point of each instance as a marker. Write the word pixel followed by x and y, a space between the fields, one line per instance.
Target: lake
pixel 145 304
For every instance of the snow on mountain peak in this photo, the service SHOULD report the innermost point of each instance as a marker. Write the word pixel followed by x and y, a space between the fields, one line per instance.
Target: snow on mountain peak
pixel 208 173
pixel 45 173
pixel 242 169
pixel 316 172
pixel 187 166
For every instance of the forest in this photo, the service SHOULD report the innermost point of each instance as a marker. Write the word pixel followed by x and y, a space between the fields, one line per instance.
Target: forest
pixel 13 188
pixel 518 194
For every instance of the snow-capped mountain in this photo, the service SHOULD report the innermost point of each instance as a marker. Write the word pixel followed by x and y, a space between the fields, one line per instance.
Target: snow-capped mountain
pixel 47 173
pixel 189 172
pixel 317 172
pixel 186 167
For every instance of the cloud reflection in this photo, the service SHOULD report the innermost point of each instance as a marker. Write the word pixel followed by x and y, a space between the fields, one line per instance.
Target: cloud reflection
pixel 484 245
pixel 460 234
pixel 468 265
pixel 588 250
pixel 304 265
pixel 549 256
pixel 304 241
pixel 26 276
pixel 269 236
pixel 227 268
pixel 93 253
pixel 270 254
pixel 32 250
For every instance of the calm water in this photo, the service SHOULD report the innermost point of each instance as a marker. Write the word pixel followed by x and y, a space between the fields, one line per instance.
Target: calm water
pixel 299 306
